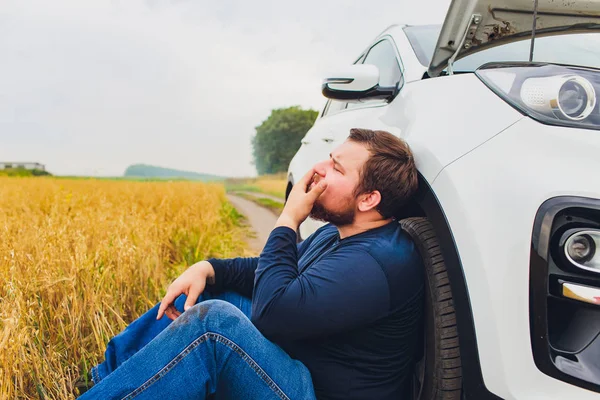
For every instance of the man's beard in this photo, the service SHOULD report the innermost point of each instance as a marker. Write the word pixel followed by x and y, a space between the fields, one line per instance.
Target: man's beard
pixel 339 218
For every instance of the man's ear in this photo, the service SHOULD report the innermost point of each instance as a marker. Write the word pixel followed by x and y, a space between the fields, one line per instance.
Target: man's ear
pixel 368 201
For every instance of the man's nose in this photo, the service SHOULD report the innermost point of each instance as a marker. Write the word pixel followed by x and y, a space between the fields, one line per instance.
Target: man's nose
pixel 321 167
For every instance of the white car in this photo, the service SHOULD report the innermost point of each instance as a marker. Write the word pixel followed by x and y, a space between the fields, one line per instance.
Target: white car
pixel 507 218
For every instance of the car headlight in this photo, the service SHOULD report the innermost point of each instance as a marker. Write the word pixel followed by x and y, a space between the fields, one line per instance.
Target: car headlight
pixel 567 96
pixel 581 249
pixel 551 94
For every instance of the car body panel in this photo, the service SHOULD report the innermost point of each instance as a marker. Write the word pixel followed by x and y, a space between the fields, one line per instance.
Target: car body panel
pixel 490 198
pixel 409 117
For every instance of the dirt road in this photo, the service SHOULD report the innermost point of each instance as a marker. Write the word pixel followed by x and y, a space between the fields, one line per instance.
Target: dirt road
pixel 260 219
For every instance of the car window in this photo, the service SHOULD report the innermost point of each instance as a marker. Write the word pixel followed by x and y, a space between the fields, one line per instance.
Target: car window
pixel 383 56
pixel 334 106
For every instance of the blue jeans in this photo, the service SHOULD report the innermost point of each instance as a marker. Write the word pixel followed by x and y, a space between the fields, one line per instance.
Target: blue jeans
pixel 211 350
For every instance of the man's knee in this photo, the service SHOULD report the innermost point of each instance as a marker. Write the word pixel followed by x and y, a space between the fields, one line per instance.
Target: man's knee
pixel 179 302
pixel 215 315
pixel 209 308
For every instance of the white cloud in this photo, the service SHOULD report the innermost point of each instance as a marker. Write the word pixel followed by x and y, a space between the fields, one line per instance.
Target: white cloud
pixel 91 87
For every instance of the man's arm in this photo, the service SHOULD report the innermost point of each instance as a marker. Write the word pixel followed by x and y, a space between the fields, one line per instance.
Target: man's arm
pixel 237 274
pixel 340 292
pixel 215 276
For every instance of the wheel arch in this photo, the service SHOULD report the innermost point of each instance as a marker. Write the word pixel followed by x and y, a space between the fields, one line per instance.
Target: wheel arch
pixel 426 204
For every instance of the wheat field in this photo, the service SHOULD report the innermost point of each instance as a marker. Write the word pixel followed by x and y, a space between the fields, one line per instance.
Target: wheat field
pixel 80 259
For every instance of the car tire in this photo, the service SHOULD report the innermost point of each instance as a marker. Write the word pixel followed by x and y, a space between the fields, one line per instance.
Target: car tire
pixel 438 373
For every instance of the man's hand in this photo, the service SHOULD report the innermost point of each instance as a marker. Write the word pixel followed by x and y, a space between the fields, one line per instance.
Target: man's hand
pixel 301 200
pixel 192 283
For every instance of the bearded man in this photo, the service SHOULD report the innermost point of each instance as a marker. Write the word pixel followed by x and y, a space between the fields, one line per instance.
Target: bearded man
pixel 334 317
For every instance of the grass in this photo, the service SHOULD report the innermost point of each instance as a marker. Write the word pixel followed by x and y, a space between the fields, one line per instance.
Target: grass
pixel 22 172
pixel 272 205
pixel 80 259
pixel 274 185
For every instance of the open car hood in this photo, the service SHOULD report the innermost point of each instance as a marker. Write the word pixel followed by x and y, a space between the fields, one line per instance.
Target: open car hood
pixel 473 25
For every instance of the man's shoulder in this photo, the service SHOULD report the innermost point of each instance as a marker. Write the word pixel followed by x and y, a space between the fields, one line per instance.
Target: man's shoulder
pixel 388 247
pixel 393 250
pixel 388 242
pixel 400 261
pixel 393 244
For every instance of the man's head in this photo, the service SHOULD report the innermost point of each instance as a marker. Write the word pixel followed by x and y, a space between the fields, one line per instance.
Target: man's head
pixel 372 175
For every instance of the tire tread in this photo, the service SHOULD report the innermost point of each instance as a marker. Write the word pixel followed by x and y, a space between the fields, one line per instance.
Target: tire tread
pixel 447 379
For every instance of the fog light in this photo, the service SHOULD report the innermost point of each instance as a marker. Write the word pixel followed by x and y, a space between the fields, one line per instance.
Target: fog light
pixel 580 249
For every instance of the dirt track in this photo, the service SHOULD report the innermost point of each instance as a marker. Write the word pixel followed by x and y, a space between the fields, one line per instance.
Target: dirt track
pixel 260 219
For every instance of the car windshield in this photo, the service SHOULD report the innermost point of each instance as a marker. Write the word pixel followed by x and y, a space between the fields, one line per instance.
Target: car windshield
pixel 574 49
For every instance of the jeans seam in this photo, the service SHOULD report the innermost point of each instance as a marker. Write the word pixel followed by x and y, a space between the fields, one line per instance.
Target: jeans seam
pixel 97 374
pixel 189 348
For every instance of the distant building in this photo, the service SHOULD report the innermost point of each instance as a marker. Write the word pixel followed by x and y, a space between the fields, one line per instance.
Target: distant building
pixel 25 165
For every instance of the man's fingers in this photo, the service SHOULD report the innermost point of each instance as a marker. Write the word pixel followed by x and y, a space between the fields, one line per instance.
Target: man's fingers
pixel 193 294
pixel 170 313
pixel 307 177
pixel 165 302
pixel 174 310
pixel 317 190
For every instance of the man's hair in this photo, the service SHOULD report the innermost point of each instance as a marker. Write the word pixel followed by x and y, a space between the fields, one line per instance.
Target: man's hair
pixel 390 169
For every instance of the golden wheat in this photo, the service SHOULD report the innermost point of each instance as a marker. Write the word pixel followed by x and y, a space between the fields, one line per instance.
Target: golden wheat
pixel 79 259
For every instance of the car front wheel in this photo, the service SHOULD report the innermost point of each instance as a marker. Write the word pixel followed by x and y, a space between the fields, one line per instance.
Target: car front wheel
pixel 438 373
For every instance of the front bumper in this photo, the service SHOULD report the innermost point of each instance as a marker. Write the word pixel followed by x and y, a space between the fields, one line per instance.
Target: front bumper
pixel 490 198
pixel 564 298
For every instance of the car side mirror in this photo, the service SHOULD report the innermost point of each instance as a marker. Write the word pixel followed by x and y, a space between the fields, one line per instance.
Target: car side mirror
pixel 354 83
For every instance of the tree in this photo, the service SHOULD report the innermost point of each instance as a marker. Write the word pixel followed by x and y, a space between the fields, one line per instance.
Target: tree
pixel 278 138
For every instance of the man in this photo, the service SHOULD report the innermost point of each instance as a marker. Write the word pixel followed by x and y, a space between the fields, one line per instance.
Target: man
pixel 334 317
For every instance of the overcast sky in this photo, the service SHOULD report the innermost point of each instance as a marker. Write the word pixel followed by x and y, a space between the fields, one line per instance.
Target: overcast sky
pixel 90 87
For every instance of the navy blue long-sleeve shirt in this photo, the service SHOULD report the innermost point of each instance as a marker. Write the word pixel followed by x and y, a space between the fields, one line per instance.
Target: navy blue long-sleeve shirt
pixel 349 309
